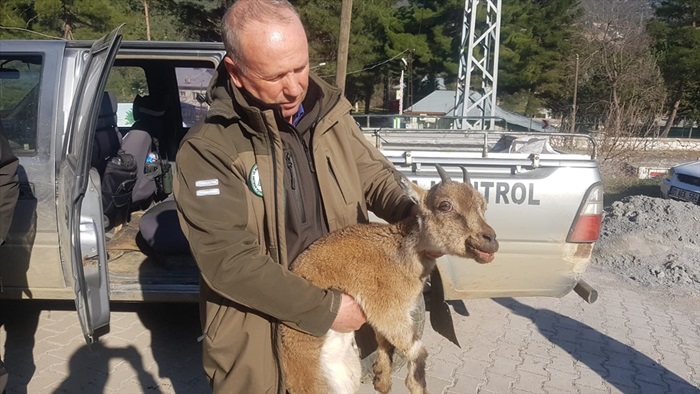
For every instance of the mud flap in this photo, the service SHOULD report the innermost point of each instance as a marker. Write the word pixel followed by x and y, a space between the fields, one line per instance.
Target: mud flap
pixel 440 315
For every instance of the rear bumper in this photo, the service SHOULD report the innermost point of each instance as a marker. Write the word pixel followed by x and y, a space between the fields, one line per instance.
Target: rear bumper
pixel 520 269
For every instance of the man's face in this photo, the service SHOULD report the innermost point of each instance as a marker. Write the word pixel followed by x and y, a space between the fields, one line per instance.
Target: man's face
pixel 276 65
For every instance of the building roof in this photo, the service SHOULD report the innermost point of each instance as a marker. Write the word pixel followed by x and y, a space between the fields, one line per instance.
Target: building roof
pixel 442 102
pixel 194 78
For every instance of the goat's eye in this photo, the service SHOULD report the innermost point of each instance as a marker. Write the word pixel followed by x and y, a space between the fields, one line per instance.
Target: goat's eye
pixel 445 206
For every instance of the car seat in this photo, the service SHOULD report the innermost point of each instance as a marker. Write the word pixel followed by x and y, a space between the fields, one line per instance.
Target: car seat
pixel 142 141
pixel 107 140
pixel 160 228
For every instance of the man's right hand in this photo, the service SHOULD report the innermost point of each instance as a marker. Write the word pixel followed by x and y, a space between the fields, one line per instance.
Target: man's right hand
pixel 350 316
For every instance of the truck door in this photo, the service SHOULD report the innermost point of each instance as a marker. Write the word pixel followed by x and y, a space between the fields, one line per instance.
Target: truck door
pixel 80 222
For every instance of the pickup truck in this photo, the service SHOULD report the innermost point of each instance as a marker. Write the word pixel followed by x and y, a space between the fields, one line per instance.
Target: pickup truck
pixel 545 207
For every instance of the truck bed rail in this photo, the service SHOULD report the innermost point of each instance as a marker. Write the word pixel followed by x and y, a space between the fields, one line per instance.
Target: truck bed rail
pixel 486 143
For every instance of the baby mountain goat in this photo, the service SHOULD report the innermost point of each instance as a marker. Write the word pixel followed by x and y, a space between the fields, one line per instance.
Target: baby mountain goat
pixel 383 268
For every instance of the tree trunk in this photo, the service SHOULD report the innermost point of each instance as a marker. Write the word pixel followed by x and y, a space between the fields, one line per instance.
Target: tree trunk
pixel 148 20
pixel 67 31
pixel 343 44
pixel 369 91
pixel 671 119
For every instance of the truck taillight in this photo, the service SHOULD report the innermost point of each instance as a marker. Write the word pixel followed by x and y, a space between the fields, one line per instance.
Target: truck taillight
pixel 586 226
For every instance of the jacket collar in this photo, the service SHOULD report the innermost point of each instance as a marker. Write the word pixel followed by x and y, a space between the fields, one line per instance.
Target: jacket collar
pixel 231 103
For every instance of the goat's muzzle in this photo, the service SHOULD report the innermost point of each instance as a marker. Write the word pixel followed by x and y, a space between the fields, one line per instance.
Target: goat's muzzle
pixel 483 246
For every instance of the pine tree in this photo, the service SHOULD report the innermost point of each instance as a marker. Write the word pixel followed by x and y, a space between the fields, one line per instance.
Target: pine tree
pixel 675 30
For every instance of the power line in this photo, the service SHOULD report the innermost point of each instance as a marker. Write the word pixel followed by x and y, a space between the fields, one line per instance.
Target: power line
pixel 370 67
pixel 30 31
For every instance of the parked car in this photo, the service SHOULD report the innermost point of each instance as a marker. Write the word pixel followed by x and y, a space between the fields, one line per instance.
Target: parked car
pixel 682 182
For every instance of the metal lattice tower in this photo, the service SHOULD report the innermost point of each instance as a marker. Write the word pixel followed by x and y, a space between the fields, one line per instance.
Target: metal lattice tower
pixel 478 60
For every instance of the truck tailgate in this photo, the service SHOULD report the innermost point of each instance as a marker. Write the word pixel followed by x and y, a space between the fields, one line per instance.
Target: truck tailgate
pixel 533 201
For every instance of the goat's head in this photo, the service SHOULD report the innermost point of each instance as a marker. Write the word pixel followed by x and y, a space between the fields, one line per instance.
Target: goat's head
pixel 452 219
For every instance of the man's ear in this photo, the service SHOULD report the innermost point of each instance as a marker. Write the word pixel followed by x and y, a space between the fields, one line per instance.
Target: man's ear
pixel 233 71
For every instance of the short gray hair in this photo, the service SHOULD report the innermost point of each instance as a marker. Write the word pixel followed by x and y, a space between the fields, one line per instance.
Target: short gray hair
pixel 242 13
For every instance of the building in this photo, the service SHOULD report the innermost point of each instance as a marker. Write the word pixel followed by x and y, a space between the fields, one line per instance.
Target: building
pixel 437 110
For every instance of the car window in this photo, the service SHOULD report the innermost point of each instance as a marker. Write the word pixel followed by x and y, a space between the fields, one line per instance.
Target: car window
pixel 192 83
pixel 126 82
pixel 20 80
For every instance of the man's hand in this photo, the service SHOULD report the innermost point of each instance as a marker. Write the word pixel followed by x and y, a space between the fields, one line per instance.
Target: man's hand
pixel 350 316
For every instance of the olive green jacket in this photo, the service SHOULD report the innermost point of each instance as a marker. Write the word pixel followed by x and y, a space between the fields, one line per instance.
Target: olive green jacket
pixel 230 197
pixel 9 186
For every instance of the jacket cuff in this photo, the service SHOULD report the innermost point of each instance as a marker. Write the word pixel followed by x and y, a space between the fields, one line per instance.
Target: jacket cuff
pixel 336 299
pixel 407 210
pixel 320 325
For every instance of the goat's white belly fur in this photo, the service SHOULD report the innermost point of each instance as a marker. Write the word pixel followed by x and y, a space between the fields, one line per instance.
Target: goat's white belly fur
pixel 340 362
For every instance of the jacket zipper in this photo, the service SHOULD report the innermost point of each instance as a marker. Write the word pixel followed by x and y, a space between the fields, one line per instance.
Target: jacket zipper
pixel 308 156
pixel 298 199
pixel 290 167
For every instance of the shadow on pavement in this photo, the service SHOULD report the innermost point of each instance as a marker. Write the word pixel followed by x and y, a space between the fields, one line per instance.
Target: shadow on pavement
pixel 600 352
pixel 174 331
pixel 20 319
pixel 89 369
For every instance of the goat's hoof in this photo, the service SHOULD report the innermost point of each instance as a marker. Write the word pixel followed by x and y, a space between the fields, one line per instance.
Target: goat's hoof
pixel 382 385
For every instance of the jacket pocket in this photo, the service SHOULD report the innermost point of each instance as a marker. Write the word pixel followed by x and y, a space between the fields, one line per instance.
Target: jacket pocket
pixel 217 312
pixel 340 182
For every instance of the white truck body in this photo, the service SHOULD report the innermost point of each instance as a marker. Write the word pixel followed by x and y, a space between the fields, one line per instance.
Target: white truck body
pixel 57 247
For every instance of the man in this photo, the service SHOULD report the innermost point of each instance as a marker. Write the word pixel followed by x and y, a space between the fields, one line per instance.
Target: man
pixel 9 186
pixel 9 193
pixel 277 163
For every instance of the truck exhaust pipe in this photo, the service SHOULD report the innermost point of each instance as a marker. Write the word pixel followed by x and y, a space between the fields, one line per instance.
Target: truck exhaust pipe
pixel 585 291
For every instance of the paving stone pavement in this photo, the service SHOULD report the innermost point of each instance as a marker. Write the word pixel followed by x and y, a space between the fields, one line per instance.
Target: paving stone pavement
pixel 632 340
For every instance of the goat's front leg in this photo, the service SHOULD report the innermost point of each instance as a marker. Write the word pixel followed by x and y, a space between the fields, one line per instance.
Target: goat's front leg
pixel 382 366
pixel 399 331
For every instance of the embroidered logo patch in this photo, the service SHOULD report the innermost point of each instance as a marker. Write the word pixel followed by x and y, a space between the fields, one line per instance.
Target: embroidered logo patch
pixel 254 181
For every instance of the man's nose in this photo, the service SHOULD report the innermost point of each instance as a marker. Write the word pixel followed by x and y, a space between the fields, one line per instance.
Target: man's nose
pixel 292 85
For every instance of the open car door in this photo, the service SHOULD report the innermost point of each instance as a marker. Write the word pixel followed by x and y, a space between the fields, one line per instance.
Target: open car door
pixel 80 221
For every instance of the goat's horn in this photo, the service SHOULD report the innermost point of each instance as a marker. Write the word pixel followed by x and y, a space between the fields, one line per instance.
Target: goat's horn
pixel 466 175
pixel 443 174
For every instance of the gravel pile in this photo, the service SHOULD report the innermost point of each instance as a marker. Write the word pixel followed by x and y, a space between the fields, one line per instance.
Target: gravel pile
pixel 652 241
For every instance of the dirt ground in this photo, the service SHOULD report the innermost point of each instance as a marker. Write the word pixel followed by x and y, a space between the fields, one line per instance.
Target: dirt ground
pixel 646 239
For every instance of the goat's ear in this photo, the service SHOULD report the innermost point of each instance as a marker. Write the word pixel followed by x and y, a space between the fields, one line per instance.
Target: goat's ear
pixel 413 191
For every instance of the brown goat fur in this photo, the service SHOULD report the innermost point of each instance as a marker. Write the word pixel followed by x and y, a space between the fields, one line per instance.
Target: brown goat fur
pixel 383 267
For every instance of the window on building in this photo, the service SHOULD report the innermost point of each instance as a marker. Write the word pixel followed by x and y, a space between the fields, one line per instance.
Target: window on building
pixel 192 83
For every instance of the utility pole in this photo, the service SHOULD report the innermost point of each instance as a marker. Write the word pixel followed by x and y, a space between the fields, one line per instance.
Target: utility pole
pixel 410 78
pixel 573 107
pixel 148 20
pixel 343 44
pixel 401 83
pixel 400 93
